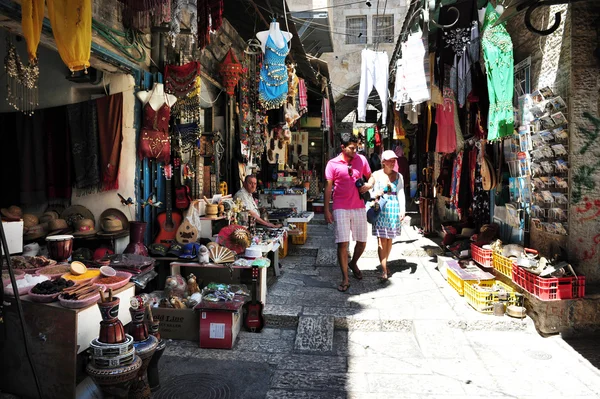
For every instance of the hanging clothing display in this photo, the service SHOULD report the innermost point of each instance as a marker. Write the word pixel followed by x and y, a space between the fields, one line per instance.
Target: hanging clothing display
pixel 273 85
pixel 182 80
pixel 325 114
pixel 177 11
pixel 57 142
pixel 142 14
pixel 83 127
pixel 399 132
pixel 72 29
pixel 210 17
pixel 446 129
pixel 411 82
pixel 374 72
pixel 31 21
pixel 498 57
pixel 110 131
pixel 302 97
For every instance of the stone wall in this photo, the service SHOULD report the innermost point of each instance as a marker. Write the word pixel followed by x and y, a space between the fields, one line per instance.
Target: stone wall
pixel 564 61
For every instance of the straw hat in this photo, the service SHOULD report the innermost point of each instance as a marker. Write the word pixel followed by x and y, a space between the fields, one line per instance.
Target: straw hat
pixel 76 213
pixel 58 226
pixel 13 212
pixel 110 226
pixel 84 227
pixel 30 220
pixel 48 216
pixel 35 232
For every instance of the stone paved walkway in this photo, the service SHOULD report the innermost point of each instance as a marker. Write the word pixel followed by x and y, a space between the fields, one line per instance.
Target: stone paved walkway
pixel 413 337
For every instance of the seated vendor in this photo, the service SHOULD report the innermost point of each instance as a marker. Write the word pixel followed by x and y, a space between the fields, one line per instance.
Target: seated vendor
pixel 245 194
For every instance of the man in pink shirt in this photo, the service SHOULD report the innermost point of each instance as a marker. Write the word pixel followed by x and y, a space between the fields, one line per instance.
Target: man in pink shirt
pixel 349 211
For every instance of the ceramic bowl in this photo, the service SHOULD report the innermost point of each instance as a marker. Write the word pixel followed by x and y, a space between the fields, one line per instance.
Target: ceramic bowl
pixel 78 303
pixel 41 297
pixel 126 277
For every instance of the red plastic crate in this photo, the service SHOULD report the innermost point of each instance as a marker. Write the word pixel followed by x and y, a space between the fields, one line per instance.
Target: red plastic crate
pixel 548 289
pixel 481 256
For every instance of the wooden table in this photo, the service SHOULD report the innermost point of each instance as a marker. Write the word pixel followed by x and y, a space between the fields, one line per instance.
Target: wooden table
pixel 57 335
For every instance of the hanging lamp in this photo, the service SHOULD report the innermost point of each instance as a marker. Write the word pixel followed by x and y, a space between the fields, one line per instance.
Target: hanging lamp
pixel 231 70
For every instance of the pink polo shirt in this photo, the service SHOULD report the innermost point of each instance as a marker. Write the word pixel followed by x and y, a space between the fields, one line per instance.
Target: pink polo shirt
pixel 345 193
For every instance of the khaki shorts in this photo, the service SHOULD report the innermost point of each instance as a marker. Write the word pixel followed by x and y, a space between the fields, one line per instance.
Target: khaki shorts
pixel 350 220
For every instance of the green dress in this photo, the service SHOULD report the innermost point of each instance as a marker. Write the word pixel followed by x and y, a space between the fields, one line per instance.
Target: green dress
pixel 499 65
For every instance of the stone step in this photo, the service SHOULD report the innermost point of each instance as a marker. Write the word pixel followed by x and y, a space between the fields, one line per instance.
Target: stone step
pixel 314 334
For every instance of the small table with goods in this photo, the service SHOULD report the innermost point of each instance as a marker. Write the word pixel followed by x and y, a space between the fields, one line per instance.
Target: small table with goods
pixel 57 335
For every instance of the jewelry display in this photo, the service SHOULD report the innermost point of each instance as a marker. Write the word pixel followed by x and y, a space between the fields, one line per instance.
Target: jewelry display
pixel 21 81
pixel 182 80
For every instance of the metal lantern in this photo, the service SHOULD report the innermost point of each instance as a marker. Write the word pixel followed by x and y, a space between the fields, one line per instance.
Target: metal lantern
pixel 231 70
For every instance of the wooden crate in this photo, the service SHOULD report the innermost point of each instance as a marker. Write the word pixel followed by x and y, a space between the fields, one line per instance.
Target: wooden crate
pixel 300 239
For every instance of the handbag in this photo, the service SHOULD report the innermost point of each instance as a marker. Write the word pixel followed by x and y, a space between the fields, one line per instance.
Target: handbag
pixel 374 211
pixel 155 144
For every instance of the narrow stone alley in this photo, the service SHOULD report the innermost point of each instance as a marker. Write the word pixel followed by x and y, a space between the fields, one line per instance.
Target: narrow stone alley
pixel 412 337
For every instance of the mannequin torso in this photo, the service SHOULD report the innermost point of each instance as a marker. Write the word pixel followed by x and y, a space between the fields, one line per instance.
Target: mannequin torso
pixel 156 97
pixel 277 35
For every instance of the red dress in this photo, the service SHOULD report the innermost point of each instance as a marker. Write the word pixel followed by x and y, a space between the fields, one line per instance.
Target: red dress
pixel 155 142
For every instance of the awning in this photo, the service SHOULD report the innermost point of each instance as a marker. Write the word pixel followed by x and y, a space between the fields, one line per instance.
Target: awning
pixel 314 31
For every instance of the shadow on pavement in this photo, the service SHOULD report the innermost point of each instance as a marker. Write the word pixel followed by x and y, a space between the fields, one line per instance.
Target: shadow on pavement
pixel 587 347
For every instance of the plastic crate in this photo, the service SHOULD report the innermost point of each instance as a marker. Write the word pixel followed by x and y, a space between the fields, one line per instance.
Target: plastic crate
pixel 482 300
pixel 458 283
pixel 502 264
pixel 549 289
pixel 300 239
pixel 481 256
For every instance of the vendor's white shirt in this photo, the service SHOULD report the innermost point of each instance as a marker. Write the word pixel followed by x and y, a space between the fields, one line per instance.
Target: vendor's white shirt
pixel 247 200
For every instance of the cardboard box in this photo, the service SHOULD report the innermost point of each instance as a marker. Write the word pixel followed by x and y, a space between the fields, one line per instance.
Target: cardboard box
pixel 219 328
pixel 177 323
pixel 14 237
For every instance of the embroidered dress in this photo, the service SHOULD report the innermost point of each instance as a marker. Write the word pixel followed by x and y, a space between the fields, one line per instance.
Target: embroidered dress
pixel 273 85
pixel 498 56
pixel 388 224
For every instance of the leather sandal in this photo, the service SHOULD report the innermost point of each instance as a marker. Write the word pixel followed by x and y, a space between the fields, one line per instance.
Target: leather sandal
pixel 343 287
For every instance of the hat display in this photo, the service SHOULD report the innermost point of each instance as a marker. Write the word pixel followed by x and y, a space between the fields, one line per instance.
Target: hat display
pixel 13 212
pixel 84 227
pixel 48 216
pixel 35 232
pixel 190 251
pixel 113 222
pixel 102 252
pixel 58 226
pixel 388 154
pixel 30 220
pixel 175 250
pixel 75 213
pixel 252 252
pixel 157 249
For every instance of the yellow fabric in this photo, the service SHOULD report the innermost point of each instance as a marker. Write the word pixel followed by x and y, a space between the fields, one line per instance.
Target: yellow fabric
pixel 32 17
pixel 71 22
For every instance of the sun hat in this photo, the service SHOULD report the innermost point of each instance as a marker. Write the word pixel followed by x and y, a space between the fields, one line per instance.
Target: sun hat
pixel 35 232
pixel 58 226
pixel 115 213
pixel 84 227
pixel 49 216
pixel 13 212
pixel 110 226
pixel 30 220
pixel 75 213
pixel 387 155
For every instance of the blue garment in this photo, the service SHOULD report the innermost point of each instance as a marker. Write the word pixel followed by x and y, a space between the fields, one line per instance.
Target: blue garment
pixel 273 85
pixel 388 224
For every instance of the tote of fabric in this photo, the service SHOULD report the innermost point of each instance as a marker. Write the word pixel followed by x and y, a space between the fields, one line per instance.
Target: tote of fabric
pixel 71 22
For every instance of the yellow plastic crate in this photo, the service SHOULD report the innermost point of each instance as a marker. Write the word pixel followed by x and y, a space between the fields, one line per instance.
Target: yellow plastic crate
pixel 300 239
pixel 483 301
pixel 458 283
pixel 502 264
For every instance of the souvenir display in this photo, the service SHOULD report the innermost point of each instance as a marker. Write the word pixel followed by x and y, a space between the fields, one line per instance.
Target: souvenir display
pixel 22 81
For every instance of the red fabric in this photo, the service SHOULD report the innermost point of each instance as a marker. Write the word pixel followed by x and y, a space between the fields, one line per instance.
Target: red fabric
pixel 302 96
pixel 157 120
pixel 110 132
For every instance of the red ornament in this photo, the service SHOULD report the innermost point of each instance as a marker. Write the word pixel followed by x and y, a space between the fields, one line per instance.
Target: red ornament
pixel 231 70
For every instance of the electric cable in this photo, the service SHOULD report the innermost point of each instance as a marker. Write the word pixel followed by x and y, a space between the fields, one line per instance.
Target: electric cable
pixel 133 46
pixel 15 288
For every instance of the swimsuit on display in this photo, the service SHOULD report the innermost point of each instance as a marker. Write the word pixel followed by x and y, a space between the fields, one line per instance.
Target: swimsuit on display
pixel 273 85
pixel 155 142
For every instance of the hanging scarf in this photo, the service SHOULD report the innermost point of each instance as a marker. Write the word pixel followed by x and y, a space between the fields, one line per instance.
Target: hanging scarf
pixel 177 11
pixel 83 125
pixel 110 130
pixel 58 148
pixel 32 162
pixel 72 30
pixel 32 17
